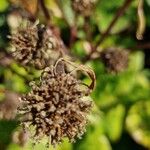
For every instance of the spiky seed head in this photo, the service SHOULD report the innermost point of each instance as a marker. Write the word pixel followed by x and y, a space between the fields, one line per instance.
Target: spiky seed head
pixel 34 45
pixel 57 107
pixel 50 49
pixel 115 60
pixel 24 43
pixel 83 7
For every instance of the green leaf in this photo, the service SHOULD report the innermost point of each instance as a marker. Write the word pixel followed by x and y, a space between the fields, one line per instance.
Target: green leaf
pixel 136 61
pixel 6 129
pixel 3 5
pixel 66 145
pixel 94 137
pixel 114 122
pixel 138 122
pixel 148 2
pixel 65 6
pixel 105 13
pixel 93 140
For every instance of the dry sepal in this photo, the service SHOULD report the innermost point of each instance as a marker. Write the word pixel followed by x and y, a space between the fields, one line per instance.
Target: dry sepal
pixel 115 60
pixel 35 45
pixel 83 7
pixel 58 106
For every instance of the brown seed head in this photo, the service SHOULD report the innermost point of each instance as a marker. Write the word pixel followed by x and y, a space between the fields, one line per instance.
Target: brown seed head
pixel 115 60
pixel 83 7
pixel 24 43
pixel 56 106
pixel 35 45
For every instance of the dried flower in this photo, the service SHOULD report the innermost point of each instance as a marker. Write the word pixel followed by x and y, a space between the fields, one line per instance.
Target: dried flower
pixel 115 60
pixel 24 43
pixel 57 107
pixel 35 45
pixel 83 7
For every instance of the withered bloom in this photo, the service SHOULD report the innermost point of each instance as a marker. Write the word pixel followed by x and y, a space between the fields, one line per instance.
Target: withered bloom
pixel 58 106
pixel 35 45
pixel 83 7
pixel 115 60
pixel 24 43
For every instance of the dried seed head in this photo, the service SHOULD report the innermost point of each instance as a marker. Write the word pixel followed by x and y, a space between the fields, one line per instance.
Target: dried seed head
pixel 115 60
pixel 24 43
pixel 35 45
pixel 83 7
pixel 56 106
pixel 50 48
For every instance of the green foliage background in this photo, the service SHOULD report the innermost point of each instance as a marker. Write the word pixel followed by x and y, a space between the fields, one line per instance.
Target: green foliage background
pixel 120 119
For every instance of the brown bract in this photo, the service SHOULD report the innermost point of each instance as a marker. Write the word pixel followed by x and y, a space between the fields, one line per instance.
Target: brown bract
pixel 58 106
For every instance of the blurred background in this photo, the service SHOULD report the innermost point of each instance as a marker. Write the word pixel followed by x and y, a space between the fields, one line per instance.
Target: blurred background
pixel 92 32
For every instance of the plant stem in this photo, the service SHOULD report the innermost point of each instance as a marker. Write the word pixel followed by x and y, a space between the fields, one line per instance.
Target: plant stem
pixel 45 11
pixel 118 14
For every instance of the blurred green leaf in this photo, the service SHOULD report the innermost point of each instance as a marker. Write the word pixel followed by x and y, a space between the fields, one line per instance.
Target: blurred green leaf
pixel 114 122
pixel 136 61
pixel 78 49
pixel 138 122
pixel 94 137
pixel 66 145
pixel 68 13
pixel 3 5
pixel 93 140
pixel 6 129
pixel 14 82
pixel 108 10
pixel 148 2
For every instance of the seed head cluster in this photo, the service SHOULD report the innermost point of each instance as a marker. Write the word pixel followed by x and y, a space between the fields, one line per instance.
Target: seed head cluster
pixel 56 107
pixel 83 7
pixel 35 45
pixel 115 60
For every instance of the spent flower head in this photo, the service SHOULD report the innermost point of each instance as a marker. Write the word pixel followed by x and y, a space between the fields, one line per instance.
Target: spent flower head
pixel 35 45
pixel 58 106
pixel 115 60
pixel 84 7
